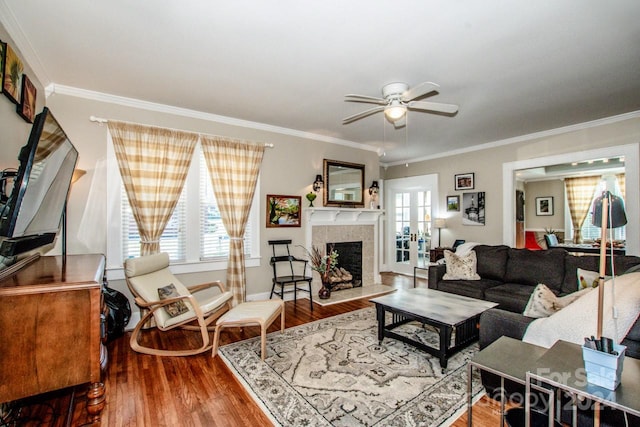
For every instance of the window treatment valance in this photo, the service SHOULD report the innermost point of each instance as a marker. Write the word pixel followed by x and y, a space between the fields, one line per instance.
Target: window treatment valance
pixel 154 163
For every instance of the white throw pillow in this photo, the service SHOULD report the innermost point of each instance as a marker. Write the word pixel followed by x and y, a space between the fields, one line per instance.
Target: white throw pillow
pixel 460 267
pixel 589 279
pixel 543 302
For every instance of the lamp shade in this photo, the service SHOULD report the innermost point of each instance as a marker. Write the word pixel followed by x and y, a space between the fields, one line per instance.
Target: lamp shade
pixel 440 223
pixel 617 215
pixel 395 110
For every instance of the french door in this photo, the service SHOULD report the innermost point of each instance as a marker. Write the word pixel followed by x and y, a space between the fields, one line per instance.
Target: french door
pixel 410 210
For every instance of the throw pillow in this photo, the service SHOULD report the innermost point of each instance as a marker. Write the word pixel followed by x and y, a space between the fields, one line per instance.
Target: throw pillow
pixel 175 308
pixel 460 267
pixel 543 302
pixel 589 279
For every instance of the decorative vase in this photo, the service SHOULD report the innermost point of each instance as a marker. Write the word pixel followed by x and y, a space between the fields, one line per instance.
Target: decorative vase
pixel 311 197
pixel 324 292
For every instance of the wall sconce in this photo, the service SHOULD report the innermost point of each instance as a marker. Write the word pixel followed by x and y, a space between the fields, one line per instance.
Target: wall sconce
pixel 318 183
pixel 440 223
pixel 373 190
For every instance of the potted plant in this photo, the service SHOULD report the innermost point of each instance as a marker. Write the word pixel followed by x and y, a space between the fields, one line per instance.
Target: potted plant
pixel 324 264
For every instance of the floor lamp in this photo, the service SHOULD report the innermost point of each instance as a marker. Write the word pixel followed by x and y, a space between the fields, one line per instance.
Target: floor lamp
pixel 608 212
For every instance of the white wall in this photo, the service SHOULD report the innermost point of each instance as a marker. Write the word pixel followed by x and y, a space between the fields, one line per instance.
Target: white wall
pixel 15 130
pixel 551 188
pixel 487 165
pixel 288 168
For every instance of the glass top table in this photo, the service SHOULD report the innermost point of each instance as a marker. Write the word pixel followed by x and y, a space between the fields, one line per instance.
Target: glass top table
pixel 562 366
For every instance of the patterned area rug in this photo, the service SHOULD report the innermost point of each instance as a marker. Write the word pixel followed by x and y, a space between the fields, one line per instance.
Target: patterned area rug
pixel 333 372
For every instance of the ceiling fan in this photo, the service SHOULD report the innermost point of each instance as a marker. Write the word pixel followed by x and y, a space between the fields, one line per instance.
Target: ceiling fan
pixel 397 98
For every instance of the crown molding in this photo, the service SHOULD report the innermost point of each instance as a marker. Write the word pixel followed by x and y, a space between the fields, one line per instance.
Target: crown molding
pixel 522 138
pixel 185 112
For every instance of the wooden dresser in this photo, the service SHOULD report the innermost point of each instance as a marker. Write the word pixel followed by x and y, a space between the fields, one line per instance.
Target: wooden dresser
pixel 50 329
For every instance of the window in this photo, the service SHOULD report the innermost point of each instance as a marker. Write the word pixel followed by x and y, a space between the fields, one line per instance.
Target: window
pixel 589 231
pixel 194 234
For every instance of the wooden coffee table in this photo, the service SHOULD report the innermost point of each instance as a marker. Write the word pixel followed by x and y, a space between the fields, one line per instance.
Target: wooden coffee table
pixel 441 310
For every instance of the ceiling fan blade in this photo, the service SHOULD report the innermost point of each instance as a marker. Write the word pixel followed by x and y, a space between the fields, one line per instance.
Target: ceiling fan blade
pixel 362 114
pixel 433 106
pixel 364 98
pixel 421 90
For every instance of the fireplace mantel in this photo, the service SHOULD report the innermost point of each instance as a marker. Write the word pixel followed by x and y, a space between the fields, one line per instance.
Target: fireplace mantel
pixel 329 216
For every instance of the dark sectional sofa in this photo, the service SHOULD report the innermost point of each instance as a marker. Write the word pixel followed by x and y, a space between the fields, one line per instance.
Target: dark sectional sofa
pixel 508 277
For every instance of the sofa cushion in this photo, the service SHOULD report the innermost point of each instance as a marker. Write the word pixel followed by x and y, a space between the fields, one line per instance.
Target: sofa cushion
pixel 623 264
pixel 510 296
pixel 632 340
pixel 492 261
pixel 572 263
pixel 533 267
pixel 588 262
pixel 467 288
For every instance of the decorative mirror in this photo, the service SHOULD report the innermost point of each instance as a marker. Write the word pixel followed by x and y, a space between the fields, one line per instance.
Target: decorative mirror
pixel 343 184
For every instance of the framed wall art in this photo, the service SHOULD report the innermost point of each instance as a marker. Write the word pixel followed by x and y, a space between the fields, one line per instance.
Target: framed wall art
pixel 473 208
pixel 27 108
pixel 453 203
pixel 464 181
pixel 12 79
pixel 544 206
pixel 283 211
pixel 3 53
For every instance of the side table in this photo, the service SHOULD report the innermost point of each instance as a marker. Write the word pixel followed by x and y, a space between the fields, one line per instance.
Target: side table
pixel 509 359
pixel 562 367
pixel 437 253
pixel 420 268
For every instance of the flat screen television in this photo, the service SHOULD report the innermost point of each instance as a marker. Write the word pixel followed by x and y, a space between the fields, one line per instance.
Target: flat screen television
pixel 30 216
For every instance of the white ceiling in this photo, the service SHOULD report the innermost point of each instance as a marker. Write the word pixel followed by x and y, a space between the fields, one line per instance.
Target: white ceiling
pixel 513 67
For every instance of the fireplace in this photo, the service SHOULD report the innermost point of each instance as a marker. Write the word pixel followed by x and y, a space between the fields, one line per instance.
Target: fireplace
pixel 349 265
pixel 342 225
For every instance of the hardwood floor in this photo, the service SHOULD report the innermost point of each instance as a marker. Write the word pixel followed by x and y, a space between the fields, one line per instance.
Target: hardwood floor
pixel 145 390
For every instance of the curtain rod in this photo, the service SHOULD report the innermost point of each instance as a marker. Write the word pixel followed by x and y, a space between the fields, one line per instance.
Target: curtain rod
pixel 101 121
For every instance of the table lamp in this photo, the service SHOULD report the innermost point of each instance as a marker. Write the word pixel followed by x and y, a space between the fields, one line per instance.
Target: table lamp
pixel 440 223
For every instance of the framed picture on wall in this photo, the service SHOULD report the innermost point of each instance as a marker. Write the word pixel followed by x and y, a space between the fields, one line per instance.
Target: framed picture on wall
pixel 283 211
pixel 12 81
pixel 3 53
pixel 464 181
pixel 473 208
pixel 544 206
pixel 27 107
pixel 453 203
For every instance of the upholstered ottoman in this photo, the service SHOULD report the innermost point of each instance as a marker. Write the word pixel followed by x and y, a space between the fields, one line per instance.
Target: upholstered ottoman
pixel 252 313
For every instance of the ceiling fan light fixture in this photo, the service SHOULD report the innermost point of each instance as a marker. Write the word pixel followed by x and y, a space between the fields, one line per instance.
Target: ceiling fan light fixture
pixel 395 111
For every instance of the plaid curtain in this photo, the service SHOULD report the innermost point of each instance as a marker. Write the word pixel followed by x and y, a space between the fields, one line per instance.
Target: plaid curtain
pixel 153 163
pixel 579 196
pixel 234 166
